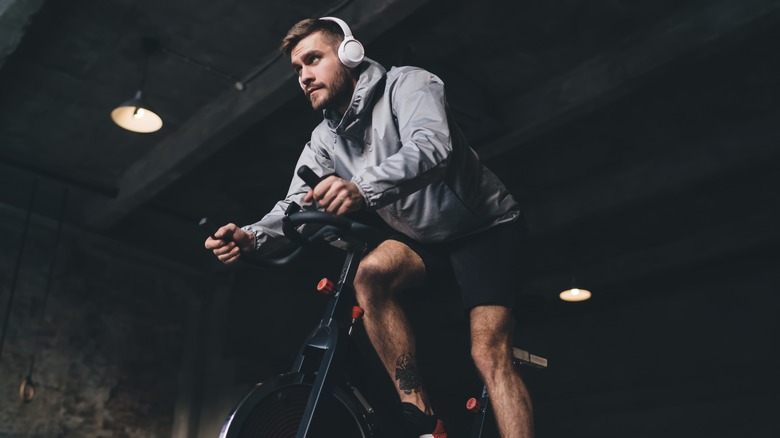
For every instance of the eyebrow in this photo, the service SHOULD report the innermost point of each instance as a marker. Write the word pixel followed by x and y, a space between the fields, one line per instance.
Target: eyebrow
pixel 305 55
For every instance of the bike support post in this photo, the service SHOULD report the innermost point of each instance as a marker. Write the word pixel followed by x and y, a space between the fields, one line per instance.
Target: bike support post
pixel 324 339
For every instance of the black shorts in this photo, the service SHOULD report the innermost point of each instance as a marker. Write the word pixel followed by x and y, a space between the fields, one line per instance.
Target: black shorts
pixel 487 266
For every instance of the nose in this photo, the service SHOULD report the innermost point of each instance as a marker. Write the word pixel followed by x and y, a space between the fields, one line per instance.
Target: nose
pixel 306 77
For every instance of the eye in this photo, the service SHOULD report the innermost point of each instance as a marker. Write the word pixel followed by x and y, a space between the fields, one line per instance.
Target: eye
pixel 312 59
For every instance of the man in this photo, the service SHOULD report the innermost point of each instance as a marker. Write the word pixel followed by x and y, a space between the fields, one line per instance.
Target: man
pixel 391 146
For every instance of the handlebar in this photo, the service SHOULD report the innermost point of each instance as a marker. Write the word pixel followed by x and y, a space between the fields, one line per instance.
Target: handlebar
pixel 336 227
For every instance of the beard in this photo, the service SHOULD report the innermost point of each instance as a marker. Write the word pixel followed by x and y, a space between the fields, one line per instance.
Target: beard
pixel 338 92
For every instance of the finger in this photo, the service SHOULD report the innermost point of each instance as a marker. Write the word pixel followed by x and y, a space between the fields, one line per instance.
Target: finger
pixel 309 196
pixel 229 255
pixel 331 201
pixel 345 208
pixel 212 243
pixel 339 202
pixel 336 191
pixel 321 190
pixel 225 232
pixel 224 248
pixel 233 258
pixel 326 186
pixel 327 198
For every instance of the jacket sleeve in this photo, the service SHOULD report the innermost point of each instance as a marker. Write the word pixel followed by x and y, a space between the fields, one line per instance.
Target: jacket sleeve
pixel 268 233
pixel 419 107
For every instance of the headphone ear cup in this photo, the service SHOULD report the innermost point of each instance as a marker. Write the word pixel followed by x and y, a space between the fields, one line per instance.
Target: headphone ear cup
pixel 351 52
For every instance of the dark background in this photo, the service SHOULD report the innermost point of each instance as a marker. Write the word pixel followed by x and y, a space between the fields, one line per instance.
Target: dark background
pixel 640 137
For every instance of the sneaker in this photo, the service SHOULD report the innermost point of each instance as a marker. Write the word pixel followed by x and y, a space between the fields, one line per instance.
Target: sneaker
pixel 425 426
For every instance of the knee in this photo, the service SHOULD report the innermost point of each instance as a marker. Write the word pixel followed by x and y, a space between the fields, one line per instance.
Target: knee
pixel 490 356
pixel 373 283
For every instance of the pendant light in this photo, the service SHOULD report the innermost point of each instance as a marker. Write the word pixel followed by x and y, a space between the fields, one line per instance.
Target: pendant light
pixel 136 114
pixel 574 293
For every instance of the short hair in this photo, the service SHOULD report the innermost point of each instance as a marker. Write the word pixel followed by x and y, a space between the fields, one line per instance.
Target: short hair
pixel 308 26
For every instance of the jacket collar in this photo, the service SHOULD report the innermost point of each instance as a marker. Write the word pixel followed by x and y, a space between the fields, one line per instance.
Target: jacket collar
pixel 354 120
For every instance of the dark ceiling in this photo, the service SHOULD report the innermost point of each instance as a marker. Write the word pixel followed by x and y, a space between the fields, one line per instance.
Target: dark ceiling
pixel 640 136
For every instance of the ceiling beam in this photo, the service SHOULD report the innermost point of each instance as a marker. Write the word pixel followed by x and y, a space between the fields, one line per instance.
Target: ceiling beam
pixel 222 120
pixel 15 17
pixel 611 75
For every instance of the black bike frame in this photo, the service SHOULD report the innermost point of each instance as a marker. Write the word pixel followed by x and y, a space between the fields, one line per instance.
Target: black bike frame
pixel 321 350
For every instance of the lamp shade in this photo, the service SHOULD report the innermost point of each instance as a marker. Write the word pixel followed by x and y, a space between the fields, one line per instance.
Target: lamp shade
pixel 136 115
pixel 575 294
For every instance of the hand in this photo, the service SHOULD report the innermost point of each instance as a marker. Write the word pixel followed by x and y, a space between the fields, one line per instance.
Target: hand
pixel 229 243
pixel 336 196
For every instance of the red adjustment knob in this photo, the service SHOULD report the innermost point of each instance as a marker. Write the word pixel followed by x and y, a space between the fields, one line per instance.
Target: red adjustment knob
pixel 473 405
pixel 357 312
pixel 325 286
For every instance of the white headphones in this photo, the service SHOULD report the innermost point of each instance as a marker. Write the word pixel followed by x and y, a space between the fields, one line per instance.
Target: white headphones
pixel 350 51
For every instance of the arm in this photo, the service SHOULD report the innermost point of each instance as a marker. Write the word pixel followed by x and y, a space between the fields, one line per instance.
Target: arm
pixel 267 232
pixel 231 241
pixel 419 106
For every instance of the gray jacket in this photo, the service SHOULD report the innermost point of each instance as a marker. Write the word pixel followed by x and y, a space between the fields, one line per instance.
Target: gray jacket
pixel 400 145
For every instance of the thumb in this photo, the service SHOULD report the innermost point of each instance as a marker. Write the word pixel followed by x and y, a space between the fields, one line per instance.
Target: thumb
pixel 309 195
pixel 226 231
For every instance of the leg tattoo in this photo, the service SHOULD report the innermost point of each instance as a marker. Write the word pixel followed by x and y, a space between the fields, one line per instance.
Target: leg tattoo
pixel 407 375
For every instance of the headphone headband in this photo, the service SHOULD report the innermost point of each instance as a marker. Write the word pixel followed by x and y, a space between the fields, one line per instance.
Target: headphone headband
pixel 342 24
pixel 350 51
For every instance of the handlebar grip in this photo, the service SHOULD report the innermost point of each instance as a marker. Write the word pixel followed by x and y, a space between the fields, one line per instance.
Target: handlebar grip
pixel 308 176
pixel 209 228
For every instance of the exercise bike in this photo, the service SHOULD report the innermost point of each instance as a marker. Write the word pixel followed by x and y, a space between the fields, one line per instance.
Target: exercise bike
pixel 327 392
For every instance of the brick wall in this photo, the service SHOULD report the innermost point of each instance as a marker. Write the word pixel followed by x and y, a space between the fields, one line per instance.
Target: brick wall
pixel 109 344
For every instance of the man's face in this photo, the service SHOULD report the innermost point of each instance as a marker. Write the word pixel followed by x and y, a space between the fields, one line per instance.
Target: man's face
pixel 324 80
